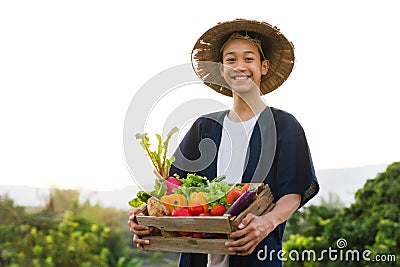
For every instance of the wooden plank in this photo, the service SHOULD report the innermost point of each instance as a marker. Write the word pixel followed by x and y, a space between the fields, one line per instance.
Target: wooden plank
pixel 261 205
pixel 209 224
pixel 188 245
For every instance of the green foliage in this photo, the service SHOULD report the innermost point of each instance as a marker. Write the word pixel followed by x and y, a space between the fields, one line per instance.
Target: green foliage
pixel 160 189
pixel 371 223
pixel 66 233
pixel 66 243
pixel 158 157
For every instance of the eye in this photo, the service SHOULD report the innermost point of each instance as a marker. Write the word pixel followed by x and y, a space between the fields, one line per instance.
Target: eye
pixel 249 58
pixel 231 59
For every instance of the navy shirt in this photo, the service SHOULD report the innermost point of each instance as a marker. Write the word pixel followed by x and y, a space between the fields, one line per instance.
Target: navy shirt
pixel 278 155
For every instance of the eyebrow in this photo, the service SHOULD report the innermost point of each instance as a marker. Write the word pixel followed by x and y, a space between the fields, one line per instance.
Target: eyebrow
pixel 245 52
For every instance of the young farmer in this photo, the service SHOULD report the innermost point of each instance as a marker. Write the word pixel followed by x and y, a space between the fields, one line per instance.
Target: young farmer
pixel 251 142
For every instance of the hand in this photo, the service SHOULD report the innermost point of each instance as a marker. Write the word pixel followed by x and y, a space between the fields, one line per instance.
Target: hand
pixel 252 230
pixel 138 230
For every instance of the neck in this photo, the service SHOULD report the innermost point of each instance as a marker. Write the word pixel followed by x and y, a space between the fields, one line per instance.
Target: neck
pixel 246 108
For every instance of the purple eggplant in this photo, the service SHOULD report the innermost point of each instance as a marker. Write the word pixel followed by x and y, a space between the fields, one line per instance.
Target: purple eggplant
pixel 241 203
pixel 208 235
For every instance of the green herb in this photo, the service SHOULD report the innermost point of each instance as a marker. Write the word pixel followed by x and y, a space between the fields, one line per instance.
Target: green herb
pixel 216 192
pixel 142 196
pixel 159 189
pixel 192 183
pixel 158 157
pixel 136 203
pixel 193 180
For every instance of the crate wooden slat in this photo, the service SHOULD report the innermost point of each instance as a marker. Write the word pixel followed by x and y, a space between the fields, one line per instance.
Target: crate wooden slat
pixel 188 245
pixel 262 204
pixel 209 224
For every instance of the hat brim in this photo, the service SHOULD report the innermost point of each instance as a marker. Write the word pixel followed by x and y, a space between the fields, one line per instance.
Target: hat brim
pixel 277 49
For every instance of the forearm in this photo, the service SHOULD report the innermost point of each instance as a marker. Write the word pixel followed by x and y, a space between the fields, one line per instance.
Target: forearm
pixel 284 208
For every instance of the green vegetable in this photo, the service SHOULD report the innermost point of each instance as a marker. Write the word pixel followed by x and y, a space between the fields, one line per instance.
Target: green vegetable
pixel 159 189
pixel 192 183
pixel 193 180
pixel 218 179
pixel 216 192
pixel 143 196
pixel 159 158
pixel 136 203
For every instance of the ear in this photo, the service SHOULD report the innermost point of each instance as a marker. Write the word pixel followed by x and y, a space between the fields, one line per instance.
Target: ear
pixel 264 67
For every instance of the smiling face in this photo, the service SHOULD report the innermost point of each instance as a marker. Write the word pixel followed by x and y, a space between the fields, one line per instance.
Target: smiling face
pixel 242 66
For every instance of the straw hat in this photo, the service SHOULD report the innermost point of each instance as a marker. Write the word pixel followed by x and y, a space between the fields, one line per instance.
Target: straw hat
pixel 277 49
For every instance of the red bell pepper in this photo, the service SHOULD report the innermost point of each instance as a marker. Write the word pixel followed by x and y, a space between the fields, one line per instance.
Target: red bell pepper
pixel 196 209
pixel 183 211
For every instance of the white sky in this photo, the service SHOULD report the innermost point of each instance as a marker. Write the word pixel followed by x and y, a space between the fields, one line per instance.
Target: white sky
pixel 69 69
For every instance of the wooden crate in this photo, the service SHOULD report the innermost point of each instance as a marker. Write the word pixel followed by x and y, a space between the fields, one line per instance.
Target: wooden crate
pixel 210 224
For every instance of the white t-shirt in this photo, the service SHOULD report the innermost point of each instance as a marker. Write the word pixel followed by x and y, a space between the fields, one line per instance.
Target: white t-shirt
pixel 233 148
pixel 230 162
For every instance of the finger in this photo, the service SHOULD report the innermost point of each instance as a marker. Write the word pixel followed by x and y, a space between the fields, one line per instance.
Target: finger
pixel 140 247
pixel 238 234
pixel 248 230
pixel 140 242
pixel 244 249
pixel 132 212
pixel 132 215
pixel 142 231
pixel 249 217
pixel 240 241
pixel 236 243
pixel 140 227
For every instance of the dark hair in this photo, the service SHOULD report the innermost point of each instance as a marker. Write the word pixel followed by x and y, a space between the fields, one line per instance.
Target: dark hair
pixel 240 36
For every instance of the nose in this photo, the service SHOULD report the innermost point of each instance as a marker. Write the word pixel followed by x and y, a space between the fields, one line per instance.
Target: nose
pixel 240 66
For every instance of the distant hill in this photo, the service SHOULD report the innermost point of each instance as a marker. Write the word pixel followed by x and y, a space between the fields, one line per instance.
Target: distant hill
pixel 31 196
pixel 345 182
pixel 342 183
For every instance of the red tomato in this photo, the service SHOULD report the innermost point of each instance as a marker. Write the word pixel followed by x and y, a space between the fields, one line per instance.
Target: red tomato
pixel 196 235
pixel 218 210
pixel 185 233
pixel 205 214
pixel 245 188
pixel 196 209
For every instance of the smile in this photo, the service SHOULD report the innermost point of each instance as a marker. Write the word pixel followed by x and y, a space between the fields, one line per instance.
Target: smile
pixel 240 78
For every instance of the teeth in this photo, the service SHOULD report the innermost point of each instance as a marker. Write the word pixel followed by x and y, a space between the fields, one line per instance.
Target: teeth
pixel 240 78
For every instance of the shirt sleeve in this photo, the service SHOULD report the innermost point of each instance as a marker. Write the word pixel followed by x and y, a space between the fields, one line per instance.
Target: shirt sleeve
pixel 295 170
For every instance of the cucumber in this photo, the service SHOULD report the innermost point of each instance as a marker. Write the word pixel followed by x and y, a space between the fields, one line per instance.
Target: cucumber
pixel 241 203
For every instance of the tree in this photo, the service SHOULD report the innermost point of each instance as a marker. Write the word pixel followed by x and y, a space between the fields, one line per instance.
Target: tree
pixel 371 223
